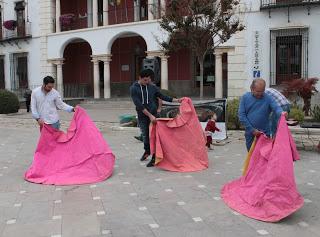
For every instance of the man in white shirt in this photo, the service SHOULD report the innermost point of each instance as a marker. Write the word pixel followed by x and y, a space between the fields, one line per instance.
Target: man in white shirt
pixel 283 102
pixel 45 101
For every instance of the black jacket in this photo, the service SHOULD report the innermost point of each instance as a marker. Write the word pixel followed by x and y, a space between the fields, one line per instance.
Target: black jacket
pixel 146 97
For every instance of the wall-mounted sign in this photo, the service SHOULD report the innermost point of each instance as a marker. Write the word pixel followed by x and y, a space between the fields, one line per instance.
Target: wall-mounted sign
pixel 256 70
pixel 124 68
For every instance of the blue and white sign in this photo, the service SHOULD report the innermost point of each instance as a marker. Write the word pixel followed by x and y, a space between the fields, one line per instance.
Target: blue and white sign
pixel 256 70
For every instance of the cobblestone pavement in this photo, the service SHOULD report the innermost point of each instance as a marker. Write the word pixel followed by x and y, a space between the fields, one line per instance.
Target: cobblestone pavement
pixel 137 201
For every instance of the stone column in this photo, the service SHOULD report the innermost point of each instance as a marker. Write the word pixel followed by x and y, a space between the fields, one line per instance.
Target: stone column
pixel 137 6
pixel 95 13
pixel 164 72
pixel 150 9
pixel 59 83
pixel 96 77
pixel 106 75
pixel 58 13
pixel 162 7
pixel 105 13
pixel 218 74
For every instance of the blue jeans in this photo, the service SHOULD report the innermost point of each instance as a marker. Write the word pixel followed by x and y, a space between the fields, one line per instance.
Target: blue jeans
pixel 56 125
pixel 249 140
pixel 274 119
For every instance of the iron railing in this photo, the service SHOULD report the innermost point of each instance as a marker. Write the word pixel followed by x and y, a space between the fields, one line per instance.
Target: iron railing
pixel 116 15
pixel 267 4
pixel 17 33
pixel 288 54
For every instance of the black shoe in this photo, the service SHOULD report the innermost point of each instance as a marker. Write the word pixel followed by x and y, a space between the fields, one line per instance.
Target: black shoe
pixel 152 161
pixel 144 156
pixel 139 138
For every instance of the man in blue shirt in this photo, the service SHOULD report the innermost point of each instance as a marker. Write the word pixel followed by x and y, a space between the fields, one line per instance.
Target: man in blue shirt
pixel 254 111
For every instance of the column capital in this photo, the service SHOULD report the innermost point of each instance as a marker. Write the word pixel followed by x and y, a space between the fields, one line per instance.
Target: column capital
pixel 223 49
pixel 105 57
pixel 56 61
pixel 101 57
pixel 164 57
pixel 155 53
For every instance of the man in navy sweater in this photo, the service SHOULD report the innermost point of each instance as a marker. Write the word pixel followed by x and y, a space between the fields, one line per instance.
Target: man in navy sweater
pixel 254 111
pixel 145 97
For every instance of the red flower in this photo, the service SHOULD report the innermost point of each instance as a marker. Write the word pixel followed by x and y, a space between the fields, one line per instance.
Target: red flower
pixel 10 25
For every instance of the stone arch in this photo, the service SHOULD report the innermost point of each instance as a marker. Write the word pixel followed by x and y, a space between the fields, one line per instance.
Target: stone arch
pixel 77 68
pixel 128 50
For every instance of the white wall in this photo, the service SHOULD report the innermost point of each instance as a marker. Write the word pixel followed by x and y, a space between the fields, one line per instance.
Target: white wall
pixel 101 39
pixel 257 20
pixel 31 46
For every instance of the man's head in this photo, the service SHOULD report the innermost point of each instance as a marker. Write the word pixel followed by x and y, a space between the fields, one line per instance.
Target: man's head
pixel 257 88
pixel 48 83
pixel 145 76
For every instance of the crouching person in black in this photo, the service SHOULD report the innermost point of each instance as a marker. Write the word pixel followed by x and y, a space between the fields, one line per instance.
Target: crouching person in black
pixel 27 96
pixel 145 97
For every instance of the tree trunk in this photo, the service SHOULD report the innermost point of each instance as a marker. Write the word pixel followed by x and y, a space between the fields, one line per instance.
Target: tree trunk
pixel 200 61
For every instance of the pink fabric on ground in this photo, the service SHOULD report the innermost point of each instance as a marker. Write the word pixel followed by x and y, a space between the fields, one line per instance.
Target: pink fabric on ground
pixel 268 191
pixel 179 143
pixel 79 156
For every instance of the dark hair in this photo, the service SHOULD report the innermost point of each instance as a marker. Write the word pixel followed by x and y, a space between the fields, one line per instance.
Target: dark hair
pixel 47 80
pixel 146 73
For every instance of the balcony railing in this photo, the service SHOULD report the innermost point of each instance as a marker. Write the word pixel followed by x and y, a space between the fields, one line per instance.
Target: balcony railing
pixel 116 15
pixel 20 32
pixel 77 22
pixel 267 4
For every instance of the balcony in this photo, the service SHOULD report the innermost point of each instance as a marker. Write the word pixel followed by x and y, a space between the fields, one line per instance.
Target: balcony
pixel 74 22
pixel 115 15
pixel 19 33
pixel 269 4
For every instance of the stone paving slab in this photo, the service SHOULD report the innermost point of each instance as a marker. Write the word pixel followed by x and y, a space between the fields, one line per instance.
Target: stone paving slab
pixel 138 201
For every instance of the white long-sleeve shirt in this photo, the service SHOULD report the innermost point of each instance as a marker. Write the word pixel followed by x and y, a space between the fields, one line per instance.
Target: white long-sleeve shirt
pixel 44 105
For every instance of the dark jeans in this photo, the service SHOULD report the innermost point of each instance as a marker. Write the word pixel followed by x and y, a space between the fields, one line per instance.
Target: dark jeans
pixel 28 105
pixel 144 123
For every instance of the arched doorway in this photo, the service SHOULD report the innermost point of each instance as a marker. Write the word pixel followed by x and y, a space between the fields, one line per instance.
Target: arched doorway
pixel 77 70
pixel 128 52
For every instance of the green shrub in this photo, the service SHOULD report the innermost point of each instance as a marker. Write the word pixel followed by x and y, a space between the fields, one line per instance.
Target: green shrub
pixel 297 114
pixel 232 114
pixel 315 113
pixel 168 93
pixel 9 102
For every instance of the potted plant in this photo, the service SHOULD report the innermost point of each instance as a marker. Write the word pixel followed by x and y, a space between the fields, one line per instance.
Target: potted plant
pixel 66 21
pixel 10 24
pixel 304 88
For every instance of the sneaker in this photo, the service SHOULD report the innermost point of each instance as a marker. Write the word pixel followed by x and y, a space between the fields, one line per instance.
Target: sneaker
pixel 152 161
pixel 144 156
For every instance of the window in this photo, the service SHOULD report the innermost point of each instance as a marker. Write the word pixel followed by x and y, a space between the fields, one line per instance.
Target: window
pixel 2 78
pixel 289 55
pixel 20 12
pixel 19 72
pixel 0 22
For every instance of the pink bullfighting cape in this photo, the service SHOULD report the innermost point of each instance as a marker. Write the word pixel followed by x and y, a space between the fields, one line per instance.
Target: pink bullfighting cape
pixel 267 191
pixel 179 143
pixel 79 156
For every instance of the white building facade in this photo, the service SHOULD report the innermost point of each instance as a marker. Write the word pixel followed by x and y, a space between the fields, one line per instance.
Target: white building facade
pixel 96 48
pixel 114 39
pixel 282 38
pixel 19 45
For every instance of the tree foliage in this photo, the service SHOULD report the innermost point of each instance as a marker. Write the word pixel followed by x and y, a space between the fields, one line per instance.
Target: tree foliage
pixel 304 88
pixel 199 25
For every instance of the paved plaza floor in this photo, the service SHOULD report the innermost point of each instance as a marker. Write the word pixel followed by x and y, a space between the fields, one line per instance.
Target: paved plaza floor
pixel 137 201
